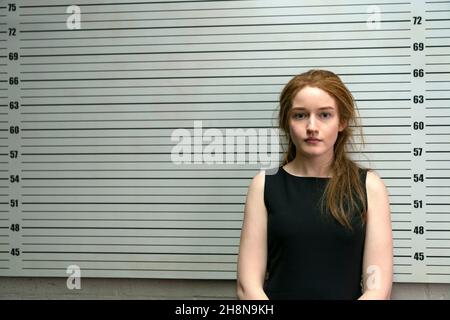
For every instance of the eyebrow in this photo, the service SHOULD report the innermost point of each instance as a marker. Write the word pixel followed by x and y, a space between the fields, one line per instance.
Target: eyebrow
pixel 321 108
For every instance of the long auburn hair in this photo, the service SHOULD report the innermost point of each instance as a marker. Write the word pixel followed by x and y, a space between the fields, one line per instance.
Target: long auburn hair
pixel 344 189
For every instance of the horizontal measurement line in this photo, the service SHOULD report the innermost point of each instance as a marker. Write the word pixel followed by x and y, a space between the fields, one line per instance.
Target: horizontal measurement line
pixel 402 273
pixel 147 95
pixel 147 103
pixel 166 145
pixel 438 265
pixel 430 212
pixel 131 194
pixel 96 236
pixel 215 59
pixel 150 145
pixel 23 31
pixel 127 261
pixel 204 68
pixel 204 127
pixel 208 17
pixel 210 51
pixel 135 178
pixel 154 111
pixel 127 3
pixel 193 153
pixel 148 120
pixel 129 269
pixel 198 86
pixel 155 128
pixel 199 1
pixel 160 170
pixel 166 136
pixel 222 77
pixel 132 203
pixel 112 219
pixel 131 228
pixel 136 211
pixel 128 253
pixel 201 43
pixel 207 9
pixel 166 186
pixel 131 244
pixel 168 94
pixel 60 105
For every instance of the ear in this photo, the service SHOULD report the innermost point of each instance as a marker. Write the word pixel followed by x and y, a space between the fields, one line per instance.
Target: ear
pixel 342 126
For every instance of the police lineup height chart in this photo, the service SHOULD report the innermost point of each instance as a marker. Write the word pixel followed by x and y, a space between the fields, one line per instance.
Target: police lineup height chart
pixel 91 94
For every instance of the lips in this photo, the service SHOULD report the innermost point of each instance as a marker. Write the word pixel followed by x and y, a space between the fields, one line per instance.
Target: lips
pixel 312 140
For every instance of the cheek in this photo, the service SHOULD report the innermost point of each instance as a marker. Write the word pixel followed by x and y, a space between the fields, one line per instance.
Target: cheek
pixel 295 130
pixel 336 128
pixel 333 132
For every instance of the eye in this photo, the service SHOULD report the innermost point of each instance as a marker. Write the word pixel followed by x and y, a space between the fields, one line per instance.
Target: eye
pixel 298 115
pixel 327 113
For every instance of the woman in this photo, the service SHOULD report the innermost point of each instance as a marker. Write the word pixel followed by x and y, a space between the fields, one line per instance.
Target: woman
pixel 317 227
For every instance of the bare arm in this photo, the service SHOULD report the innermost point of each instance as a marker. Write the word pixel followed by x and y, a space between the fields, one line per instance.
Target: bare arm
pixel 378 248
pixel 252 259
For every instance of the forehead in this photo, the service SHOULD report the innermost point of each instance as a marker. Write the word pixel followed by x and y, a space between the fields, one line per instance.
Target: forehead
pixel 312 98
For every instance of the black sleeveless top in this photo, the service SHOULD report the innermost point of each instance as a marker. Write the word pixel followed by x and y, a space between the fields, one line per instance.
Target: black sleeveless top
pixel 310 255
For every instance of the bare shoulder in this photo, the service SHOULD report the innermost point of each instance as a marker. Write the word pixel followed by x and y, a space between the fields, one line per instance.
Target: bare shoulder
pixel 374 183
pixel 377 197
pixel 258 181
pixel 255 193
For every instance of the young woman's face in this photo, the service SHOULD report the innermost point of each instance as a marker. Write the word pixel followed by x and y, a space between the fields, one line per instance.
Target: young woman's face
pixel 314 114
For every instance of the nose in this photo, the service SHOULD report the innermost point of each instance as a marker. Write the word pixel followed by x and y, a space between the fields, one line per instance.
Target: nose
pixel 311 125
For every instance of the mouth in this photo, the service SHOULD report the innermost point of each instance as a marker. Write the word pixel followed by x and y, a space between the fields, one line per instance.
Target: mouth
pixel 312 140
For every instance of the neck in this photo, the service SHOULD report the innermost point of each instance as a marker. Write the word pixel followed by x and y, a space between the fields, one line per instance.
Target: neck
pixel 310 167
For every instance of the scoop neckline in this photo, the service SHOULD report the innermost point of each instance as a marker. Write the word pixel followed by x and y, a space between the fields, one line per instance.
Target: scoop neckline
pixel 305 177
